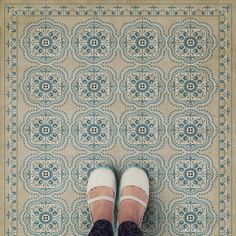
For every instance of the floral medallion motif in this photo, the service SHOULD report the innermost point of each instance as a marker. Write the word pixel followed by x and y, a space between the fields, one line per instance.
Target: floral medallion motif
pixel 94 41
pixel 191 85
pixel 94 129
pixel 94 85
pixel 142 85
pixel 191 130
pixel 45 130
pixel 191 173
pixel 45 41
pixel 45 86
pixel 191 41
pixel 83 165
pixel 45 173
pixel 191 216
pixel 142 130
pixel 142 41
pixel 150 164
pixel 45 217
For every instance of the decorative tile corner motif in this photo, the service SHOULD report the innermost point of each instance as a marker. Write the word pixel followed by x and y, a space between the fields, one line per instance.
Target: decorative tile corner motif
pixel 154 219
pixel 45 216
pixel 191 130
pixel 83 165
pixel 45 41
pixel 94 85
pixel 45 174
pixel 191 173
pixel 94 41
pixel 94 129
pixel 142 85
pixel 80 218
pixel 45 86
pixel 142 41
pixel 152 165
pixel 191 41
pixel 142 130
pixel 190 216
pixel 191 86
pixel 45 130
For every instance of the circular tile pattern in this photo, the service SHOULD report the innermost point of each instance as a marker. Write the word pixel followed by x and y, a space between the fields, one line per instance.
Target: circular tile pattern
pixel 191 173
pixel 142 85
pixel 142 41
pixel 142 130
pixel 94 41
pixel 45 130
pixel 94 129
pixel 190 216
pixel 45 86
pixel 45 173
pixel 191 41
pixel 191 86
pixel 94 86
pixel 45 216
pixel 45 41
pixel 191 130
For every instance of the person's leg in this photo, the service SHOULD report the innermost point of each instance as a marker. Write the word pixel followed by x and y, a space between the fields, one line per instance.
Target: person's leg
pixel 134 198
pixel 130 210
pixel 101 228
pixel 102 212
pixel 101 191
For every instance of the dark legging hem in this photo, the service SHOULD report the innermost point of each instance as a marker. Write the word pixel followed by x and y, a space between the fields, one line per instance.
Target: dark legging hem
pixel 102 228
pixel 129 228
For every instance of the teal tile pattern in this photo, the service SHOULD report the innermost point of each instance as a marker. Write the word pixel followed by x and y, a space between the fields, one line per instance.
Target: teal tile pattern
pixel 117 85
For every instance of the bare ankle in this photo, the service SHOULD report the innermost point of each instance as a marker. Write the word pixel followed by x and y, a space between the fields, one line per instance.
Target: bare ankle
pixel 130 211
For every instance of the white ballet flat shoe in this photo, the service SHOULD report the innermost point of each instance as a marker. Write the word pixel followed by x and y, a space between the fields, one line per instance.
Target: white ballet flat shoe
pixel 101 177
pixel 134 177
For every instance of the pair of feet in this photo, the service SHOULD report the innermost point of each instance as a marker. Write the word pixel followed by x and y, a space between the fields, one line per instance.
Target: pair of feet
pixel 129 210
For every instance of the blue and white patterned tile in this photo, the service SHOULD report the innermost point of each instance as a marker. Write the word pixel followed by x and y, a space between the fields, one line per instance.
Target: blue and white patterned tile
pixel 191 130
pixel 191 86
pixel 45 130
pixel 45 86
pixel 142 41
pixel 142 85
pixel 191 174
pixel 94 41
pixel 118 86
pixel 45 216
pixel 142 129
pixel 45 174
pixel 94 130
pixel 94 86
pixel 191 41
pixel 191 216
pixel 45 41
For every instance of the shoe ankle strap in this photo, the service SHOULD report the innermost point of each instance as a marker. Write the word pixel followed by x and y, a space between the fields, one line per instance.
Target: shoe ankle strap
pixel 131 197
pixel 108 198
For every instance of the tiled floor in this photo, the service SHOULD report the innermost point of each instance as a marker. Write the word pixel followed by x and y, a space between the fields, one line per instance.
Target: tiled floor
pixel 117 85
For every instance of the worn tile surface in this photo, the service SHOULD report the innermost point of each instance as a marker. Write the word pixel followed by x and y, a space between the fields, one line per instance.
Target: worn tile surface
pixel 117 85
